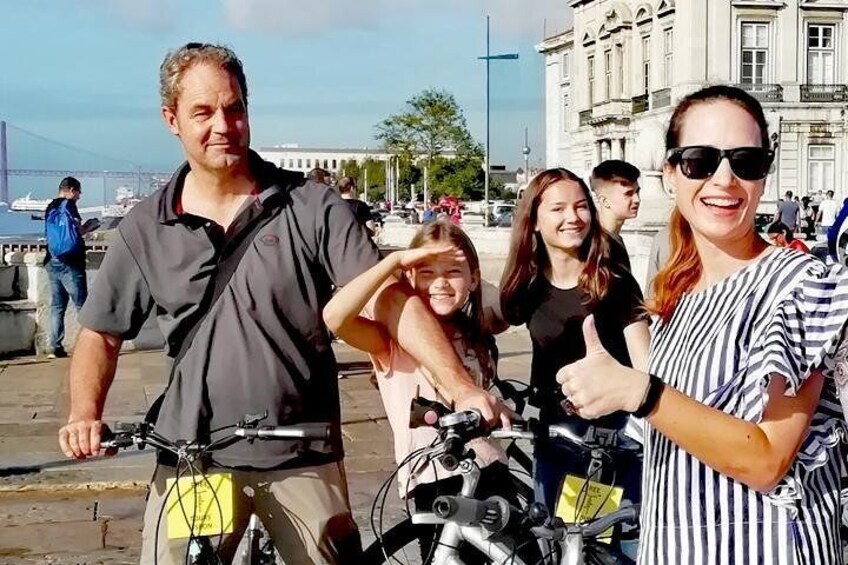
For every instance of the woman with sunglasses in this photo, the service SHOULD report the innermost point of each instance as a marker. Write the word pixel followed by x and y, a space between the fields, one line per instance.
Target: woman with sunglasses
pixel 742 419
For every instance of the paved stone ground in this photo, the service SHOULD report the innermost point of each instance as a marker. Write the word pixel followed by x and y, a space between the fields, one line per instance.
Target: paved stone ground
pixel 54 511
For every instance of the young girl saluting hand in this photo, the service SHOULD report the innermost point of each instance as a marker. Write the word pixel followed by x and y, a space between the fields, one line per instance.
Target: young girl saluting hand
pixel 442 267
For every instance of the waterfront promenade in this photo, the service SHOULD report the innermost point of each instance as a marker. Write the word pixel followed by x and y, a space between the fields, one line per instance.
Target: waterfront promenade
pixel 62 512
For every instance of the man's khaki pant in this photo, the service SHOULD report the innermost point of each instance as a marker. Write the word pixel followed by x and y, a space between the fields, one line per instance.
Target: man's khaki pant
pixel 306 511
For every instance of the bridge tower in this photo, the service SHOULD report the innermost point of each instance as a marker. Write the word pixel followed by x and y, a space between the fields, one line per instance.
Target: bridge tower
pixel 4 165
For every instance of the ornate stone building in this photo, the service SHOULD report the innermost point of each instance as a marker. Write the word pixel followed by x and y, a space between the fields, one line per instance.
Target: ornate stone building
pixel 612 80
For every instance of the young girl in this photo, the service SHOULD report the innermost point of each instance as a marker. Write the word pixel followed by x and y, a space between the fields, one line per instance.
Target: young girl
pixel 557 273
pixel 442 267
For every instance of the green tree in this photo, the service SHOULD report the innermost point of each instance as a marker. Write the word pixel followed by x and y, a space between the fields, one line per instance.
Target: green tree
pixel 431 125
pixel 350 169
pixel 462 176
pixel 376 178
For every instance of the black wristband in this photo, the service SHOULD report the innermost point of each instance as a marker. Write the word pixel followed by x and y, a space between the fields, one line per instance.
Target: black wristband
pixel 655 390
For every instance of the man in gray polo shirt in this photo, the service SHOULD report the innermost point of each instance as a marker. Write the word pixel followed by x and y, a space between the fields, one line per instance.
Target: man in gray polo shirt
pixel 263 344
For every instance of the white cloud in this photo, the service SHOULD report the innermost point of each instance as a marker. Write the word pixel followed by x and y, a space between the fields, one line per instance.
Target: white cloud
pixel 518 18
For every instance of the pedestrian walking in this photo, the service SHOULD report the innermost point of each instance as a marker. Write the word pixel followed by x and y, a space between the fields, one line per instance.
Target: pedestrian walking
pixel 788 212
pixel 65 260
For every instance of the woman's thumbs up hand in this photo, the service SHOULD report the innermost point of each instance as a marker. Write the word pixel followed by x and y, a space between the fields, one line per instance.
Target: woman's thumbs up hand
pixel 598 385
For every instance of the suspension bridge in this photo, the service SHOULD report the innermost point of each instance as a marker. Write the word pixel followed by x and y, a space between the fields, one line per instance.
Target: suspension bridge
pixel 30 162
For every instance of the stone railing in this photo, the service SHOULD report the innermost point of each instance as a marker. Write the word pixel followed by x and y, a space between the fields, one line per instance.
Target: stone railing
pixel 763 92
pixel 640 103
pixel 824 93
pixel 661 98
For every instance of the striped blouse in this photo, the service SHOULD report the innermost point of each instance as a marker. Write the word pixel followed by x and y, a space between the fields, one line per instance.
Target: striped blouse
pixel 782 314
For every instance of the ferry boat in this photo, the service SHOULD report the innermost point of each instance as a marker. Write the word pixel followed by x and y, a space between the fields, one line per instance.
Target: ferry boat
pixel 29 204
pixel 125 199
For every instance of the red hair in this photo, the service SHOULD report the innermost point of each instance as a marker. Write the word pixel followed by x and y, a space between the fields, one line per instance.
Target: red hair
pixel 680 273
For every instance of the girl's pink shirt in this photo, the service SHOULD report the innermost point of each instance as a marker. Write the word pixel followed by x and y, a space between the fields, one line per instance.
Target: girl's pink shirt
pixel 401 378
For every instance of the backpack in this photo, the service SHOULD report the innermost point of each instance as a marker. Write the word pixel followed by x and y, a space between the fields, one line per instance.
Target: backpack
pixel 63 236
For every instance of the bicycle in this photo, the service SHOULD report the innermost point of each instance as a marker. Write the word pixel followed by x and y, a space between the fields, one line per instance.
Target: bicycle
pixel 496 529
pixel 258 547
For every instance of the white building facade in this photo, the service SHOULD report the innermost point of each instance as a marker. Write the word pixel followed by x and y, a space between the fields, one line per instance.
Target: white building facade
pixel 304 159
pixel 614 78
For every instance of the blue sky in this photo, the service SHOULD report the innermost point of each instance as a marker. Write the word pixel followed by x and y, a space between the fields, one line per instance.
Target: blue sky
pixel 320 72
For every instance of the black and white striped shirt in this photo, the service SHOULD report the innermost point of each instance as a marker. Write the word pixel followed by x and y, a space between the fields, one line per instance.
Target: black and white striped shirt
pixel 783 314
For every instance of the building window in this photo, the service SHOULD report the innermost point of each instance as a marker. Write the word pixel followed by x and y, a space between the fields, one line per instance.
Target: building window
pixel 565 107
pixel 334 163
pixel 300 163
pixel 619 61
pixel 820 168
pixel 646 64
pixel 608 74
pixel 591 74
pixel 668 57
pixel 566 65
pixel 821 54
pixel 755 53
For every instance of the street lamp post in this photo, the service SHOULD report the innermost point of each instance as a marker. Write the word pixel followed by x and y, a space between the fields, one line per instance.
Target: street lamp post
pixel 488 58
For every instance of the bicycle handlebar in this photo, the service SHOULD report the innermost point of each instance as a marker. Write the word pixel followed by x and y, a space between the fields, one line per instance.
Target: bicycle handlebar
pixel 308 431
pixel 591 529
pixel 143 434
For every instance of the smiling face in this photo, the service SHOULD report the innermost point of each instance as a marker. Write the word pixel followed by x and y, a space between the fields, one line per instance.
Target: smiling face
pixel 720 208
pixel 210 118
pixel 444 284
pixel 563 218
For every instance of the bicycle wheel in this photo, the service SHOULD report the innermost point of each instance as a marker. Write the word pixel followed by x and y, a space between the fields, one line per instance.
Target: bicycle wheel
pixel 597 553
pixel 401 545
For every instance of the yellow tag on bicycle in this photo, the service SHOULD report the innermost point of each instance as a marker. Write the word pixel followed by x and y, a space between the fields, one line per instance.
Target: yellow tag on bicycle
pixel 594 499
pixel 202 505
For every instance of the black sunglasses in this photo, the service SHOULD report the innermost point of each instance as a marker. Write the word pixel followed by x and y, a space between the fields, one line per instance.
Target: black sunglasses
pixel 701 161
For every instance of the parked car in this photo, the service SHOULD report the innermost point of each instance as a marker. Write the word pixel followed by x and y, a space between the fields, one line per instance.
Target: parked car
pixel 505 219
pixel 497 211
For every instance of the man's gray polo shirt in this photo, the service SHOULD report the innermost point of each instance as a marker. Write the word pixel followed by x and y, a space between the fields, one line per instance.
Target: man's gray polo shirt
pixel 263 345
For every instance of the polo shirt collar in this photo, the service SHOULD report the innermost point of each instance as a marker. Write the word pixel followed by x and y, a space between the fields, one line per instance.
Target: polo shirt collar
pixel 271 180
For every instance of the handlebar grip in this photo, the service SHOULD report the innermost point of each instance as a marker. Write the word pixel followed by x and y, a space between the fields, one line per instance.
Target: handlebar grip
pixel 305 431
pixel 111 440
pixel 468 511
pixel 425 412
pixel 597 527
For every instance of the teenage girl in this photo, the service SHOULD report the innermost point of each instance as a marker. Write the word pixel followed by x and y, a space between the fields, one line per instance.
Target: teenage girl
pixel 558 272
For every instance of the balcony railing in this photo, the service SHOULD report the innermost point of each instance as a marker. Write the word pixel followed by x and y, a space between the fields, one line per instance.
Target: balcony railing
pixel 585 116
pixel 640 103
pixel 824 93
pixel 763 92
pixel 661 98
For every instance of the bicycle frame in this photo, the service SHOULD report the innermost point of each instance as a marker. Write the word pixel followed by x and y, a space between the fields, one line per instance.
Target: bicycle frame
pixel 502 550
pixel 447 547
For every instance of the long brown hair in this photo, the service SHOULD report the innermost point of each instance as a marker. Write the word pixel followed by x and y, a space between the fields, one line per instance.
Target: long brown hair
pixel 470 319
pixel 528 258
pixel 684 267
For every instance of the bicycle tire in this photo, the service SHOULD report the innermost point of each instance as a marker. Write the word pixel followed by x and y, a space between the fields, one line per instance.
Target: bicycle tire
pixel 398 545
pixel 597 553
